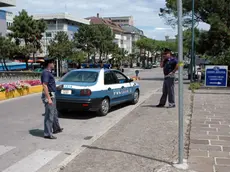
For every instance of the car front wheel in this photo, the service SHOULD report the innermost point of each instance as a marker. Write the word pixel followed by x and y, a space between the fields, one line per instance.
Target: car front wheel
pixel 104 107
pixel 136 96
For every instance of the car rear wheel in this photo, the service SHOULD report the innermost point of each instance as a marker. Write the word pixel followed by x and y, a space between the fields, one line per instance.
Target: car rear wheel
pixel 136 96
pixel 104 108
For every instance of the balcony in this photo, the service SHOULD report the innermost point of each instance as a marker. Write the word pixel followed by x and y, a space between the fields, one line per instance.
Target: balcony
pixel 53 27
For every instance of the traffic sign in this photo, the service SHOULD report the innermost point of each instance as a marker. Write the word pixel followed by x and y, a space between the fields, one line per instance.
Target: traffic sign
pixel 216 76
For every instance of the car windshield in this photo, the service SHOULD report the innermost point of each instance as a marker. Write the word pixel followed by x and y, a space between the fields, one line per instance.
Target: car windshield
pixel 80 76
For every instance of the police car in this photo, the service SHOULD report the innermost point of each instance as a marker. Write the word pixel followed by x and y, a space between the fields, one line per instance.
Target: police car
pixel 95 90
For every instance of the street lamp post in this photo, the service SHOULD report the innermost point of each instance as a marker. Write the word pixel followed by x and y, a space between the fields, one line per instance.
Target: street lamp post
pixel 192 63
pixel 57 58
pixel 181 89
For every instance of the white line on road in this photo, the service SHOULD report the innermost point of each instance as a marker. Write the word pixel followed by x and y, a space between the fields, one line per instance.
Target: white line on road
pixel 4 149
pixel 33 162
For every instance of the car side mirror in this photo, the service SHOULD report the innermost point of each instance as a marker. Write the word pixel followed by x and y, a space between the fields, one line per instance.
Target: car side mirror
pixel 130 80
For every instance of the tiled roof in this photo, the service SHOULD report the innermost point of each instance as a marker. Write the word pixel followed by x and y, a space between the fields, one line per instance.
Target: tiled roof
pixel 109 23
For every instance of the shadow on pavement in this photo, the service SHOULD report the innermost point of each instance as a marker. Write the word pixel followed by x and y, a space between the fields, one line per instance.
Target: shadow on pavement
pixel 125 152
pixel 78 115
pixel 37 132
pixel 84 115
pixel 152 106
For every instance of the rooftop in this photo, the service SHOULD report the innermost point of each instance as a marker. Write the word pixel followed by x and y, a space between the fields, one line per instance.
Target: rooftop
pixel 7 3
pixel 99 20
pixel 132 29
pixel 60 16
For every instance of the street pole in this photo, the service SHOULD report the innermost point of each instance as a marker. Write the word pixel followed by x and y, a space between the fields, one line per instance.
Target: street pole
pixel 193 67
pixel 181 89
pixel 57 58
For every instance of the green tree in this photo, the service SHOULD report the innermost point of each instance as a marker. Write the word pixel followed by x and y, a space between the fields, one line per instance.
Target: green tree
pixel 7 50
pixel 214 13
pixel 28 32
pixel 77 57
pixel 61 48
pixel 85 39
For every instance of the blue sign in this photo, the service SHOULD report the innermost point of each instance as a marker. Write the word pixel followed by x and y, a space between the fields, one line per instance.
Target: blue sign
pixel 216 76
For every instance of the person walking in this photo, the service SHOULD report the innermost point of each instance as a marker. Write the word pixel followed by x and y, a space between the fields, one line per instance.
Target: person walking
pixel 170 66
pixel 51 122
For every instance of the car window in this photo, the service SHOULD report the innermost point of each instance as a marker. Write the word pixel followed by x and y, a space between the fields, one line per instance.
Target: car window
pixel 109 78
pixel 80 76
pixel 121 78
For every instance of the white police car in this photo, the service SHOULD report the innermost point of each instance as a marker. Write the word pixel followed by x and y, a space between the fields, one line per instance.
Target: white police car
pixel 95 90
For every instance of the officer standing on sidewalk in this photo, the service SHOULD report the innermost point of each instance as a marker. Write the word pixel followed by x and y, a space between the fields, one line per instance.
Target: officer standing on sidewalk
pixel 51 122
pixel 170 66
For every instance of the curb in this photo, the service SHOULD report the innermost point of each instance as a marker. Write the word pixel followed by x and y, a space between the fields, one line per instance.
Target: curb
pixel 20 93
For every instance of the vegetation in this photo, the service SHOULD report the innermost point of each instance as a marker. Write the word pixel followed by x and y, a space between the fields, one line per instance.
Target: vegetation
pixel 215 42
pixel 27 34
pixel 194 86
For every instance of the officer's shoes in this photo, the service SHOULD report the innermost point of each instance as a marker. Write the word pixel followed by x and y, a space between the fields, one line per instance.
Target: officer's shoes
pixel 50 137
pixel 160 105
pixel 58 131
pixel 171 106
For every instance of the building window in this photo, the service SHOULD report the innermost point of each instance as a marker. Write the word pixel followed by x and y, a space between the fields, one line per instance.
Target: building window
pixel 122 41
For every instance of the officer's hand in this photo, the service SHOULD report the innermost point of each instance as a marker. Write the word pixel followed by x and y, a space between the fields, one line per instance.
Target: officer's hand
pixel 50 102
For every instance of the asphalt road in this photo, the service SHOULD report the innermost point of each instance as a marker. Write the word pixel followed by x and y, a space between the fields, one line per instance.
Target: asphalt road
pixel 22 147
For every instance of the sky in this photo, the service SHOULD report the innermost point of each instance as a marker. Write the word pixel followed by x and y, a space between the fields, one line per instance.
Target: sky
pixel 144 12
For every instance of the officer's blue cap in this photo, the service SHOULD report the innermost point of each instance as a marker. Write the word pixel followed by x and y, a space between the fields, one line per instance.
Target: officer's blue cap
pixel 166 50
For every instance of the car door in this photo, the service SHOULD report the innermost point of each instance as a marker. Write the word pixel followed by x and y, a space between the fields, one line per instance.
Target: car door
pixel 125 86
pixel 112 88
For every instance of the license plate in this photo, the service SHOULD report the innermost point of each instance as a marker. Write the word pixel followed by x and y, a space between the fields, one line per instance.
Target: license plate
pixel 66 92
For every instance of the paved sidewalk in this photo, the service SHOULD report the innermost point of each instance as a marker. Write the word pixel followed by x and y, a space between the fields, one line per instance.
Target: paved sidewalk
pixel 144 141
pixel 210 132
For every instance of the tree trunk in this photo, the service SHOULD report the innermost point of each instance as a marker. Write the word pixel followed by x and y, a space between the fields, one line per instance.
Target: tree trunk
pixel 26 60
pixel 4 62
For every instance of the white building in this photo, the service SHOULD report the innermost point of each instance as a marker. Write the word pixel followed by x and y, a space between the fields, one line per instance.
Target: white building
pixel 4 15
pixel 56 23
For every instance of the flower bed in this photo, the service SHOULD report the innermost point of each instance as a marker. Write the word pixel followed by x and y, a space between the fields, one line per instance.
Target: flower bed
pixel 19 88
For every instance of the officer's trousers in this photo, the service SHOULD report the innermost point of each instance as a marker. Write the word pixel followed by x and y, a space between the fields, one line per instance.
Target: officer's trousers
pixel 51 122
pixel 168 91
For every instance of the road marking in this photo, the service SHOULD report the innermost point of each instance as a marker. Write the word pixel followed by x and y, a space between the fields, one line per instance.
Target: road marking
pixel 4 149
pixel 33 162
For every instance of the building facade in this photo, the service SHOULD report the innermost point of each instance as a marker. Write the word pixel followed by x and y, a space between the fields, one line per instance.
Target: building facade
pixel 56 23
pixel 123 20
pixel 120 38
pixel 133 34
pixel 4 15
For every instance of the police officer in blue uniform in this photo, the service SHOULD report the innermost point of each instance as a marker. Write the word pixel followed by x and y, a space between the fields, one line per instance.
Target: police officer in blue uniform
pixel 51 122
pixel 170 66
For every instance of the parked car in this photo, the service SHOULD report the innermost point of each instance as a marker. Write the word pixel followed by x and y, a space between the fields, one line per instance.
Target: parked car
pixel 95 90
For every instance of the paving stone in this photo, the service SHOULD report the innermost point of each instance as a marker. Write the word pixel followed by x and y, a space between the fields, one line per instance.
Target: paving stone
pixel 196 141
pixel 201 167
pixel 205 147
pixel 224 138
pixel 223 143
pixel 204 137
pixel 219 154
pixel 226 149
pixel 198 153
pixel 219 168
pixel 223 161
pixel 201 160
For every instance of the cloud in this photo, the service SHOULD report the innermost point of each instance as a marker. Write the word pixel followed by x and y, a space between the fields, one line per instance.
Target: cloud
pixel 145 12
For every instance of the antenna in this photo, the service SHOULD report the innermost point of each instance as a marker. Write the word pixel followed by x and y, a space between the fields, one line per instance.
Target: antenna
pixel 65 9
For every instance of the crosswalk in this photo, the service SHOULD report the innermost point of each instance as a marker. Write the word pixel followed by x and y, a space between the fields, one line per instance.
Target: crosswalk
pixel 31 163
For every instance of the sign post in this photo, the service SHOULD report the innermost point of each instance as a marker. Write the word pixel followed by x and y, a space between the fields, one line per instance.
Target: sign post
pixel 216 76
